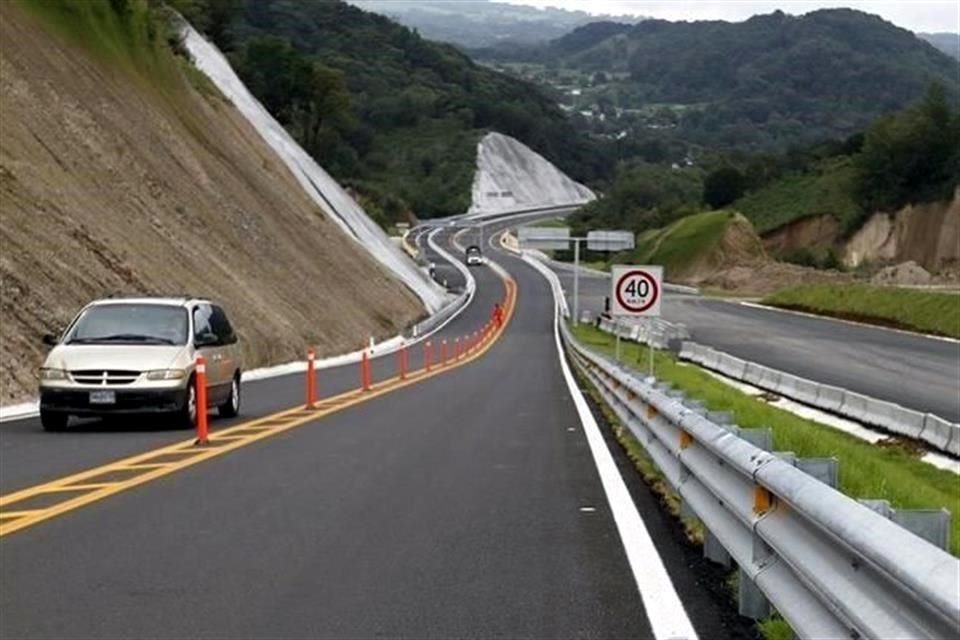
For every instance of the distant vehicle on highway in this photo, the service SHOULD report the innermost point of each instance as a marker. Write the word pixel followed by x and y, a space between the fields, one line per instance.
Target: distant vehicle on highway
pixel 474 256
pixel 136 356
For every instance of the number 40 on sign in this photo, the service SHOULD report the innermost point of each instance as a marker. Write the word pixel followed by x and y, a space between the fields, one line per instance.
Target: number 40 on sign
pixel 636 290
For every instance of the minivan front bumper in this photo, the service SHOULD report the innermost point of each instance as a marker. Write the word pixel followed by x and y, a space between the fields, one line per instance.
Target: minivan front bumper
pixel 128 401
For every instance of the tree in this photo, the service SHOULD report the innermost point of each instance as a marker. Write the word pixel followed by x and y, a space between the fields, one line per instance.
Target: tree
pixel 722 187
pixel 213 17
pixel 911 155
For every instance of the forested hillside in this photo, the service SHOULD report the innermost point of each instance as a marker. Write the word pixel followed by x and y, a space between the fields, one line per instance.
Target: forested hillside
pixel 767 83
pixel 388 113
pixel 906 157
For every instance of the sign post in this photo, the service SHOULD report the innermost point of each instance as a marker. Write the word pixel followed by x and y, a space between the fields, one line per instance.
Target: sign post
pixel 576 283
pixel 636 292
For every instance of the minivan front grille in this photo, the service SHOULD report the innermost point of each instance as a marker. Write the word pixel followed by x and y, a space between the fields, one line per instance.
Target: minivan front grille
pixel 104 377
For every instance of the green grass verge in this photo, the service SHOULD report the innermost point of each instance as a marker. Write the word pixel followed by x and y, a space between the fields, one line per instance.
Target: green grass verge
pixel 775 628
pixel 916 309
pixel 828 191
pixel 680 245
pixel 128 34
pixel 866 471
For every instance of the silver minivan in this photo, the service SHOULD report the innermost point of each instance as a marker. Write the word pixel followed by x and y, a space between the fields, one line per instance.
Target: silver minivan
pixel 136 356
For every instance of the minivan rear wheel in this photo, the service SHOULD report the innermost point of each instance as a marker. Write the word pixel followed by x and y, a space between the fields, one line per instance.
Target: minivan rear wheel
pixel 52 421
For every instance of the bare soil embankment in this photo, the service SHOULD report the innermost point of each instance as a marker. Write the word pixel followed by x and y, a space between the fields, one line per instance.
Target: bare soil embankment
pixel 111 186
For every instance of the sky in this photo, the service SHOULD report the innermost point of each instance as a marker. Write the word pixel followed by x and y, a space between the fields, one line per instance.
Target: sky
pixel 915 15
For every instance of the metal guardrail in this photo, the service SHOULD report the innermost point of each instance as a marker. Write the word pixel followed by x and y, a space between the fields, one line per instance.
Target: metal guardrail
pixel 451 309
pixel 832 567
pixel 928 427
pixel 655 331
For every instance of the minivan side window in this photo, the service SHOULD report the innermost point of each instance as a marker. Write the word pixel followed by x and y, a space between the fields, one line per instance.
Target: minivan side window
pixel 221 326
pixel 201 320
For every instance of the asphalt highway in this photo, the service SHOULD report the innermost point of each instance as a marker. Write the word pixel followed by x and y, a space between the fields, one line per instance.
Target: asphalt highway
pixel 29 455
pixel 915 371
pixel 466 505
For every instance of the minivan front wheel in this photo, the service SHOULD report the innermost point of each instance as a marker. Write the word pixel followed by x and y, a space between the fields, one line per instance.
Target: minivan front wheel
pixel 231 407
pixel 52 421
pixel 187 416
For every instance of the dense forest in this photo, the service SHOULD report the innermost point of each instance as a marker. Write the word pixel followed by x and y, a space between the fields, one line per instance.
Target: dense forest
pixel 388 113
pixel 767 83
pixel 905 157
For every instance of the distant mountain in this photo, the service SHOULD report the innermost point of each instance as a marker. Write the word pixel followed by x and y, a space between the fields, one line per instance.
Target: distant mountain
pixel 769 82
pixel 484 23
pixel 588 36
pixel 949 43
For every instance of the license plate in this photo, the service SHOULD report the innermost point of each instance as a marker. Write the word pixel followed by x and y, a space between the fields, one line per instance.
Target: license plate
pixel 103 397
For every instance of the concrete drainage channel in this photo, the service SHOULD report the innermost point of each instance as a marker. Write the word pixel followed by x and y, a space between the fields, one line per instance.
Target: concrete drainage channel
pixel 832 566
pixel 927 427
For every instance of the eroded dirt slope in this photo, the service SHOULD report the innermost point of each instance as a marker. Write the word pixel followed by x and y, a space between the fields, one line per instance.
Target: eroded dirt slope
pixel 108 187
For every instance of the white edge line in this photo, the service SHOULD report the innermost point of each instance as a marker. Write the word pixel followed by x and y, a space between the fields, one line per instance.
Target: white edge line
pixel 664 609
pixel 915 334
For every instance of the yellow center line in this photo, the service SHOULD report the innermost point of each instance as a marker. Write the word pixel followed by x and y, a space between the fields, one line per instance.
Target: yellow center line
pixel 223 441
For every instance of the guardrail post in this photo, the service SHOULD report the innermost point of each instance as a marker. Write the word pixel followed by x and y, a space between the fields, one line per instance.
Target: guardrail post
pixel 762 438
pixel 825 470
pixel 933 525
pixel 427 346
pixel 200 397
pixel 787 456
pixel 720 417
pixel 713 550
pixel 311 379
pixel 751 602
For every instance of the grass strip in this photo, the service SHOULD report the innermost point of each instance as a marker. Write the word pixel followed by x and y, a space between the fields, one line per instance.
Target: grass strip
pixel 934 312
pixel 891 473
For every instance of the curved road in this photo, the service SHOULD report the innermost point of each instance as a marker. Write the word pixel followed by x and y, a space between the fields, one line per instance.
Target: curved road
pixel 466 505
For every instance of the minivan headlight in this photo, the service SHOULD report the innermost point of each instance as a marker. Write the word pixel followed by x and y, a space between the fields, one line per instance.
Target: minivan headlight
pixel 166 374
pixel 47 373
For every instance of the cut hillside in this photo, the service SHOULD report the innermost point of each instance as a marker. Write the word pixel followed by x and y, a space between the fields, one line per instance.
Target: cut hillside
pixel 510 176
pixel 928 234
pixel 697 246
pixel 721 251
pixel 118 177
pixel 391 115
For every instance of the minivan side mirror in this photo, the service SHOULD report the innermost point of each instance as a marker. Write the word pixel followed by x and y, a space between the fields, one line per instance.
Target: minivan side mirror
pixel 50 340
pixel 206 340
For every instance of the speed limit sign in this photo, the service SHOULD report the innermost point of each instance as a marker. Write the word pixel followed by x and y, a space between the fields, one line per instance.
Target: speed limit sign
pixel 636 290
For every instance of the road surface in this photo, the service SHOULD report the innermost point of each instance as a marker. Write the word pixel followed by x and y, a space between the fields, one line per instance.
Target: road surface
pixel 466 505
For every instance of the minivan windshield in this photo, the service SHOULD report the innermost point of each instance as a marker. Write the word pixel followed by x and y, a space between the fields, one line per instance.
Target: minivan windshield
pixel 130 324
pixel 473 250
